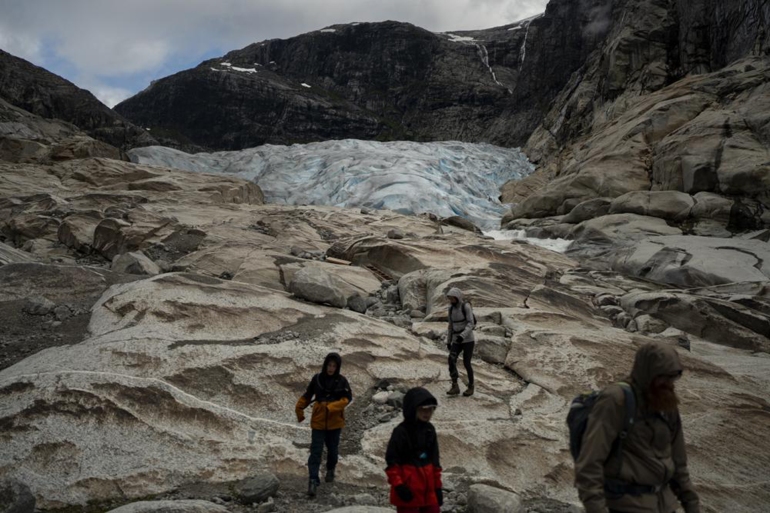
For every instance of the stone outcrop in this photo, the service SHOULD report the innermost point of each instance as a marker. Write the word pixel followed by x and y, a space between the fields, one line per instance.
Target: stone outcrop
pixel 49 96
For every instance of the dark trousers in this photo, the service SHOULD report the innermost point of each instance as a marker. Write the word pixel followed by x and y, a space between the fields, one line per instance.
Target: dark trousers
pixel 321 437
pixel 454 353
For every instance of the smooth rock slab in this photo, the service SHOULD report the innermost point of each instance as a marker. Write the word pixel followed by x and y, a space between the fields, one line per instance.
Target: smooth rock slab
pixel 487 499
pixel 185 506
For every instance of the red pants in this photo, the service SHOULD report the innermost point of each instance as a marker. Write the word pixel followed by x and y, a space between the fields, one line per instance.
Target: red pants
pixel 424 509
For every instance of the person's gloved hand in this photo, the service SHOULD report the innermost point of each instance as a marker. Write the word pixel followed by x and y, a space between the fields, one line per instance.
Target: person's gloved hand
pixel 460 339
pixel 300 416
pixel 404 493
pixel 440 496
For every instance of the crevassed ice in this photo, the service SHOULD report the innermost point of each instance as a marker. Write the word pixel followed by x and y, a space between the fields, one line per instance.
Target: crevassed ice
pixel 444 178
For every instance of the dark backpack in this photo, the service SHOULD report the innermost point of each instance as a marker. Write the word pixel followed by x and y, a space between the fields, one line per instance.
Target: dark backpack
pixel 465 317
pixel 577 421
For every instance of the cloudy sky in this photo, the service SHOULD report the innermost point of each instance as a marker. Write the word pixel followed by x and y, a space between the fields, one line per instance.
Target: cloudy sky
pixel 114 48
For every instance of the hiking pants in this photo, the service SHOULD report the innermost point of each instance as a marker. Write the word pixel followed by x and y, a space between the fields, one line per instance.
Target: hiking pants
pixel 321 437
pixel 422 509
pixel 454 353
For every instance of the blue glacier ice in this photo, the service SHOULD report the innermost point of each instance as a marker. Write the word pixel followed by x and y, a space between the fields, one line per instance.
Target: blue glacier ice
pixel 444 178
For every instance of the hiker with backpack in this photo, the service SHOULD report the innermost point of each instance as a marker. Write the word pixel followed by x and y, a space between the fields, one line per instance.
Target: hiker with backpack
pixel 412 457
pixel 329 393
pixel 460 339
pixel 628 443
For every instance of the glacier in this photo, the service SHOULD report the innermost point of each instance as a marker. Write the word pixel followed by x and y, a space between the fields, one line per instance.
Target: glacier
pixel 443 178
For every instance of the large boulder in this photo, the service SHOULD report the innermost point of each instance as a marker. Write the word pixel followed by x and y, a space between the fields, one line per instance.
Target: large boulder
pixel 712 206
pixel 316 285
pixel 671 205
pixel 487 499
pixel 349 279
pixel 77 230
pixel 135 263
pixel 256 488
pixel 16 497
pixel 596 207
pixel 180 506
pixel 10 255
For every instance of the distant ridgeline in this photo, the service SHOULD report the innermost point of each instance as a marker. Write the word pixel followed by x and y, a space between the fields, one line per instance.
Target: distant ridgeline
pixel 376 81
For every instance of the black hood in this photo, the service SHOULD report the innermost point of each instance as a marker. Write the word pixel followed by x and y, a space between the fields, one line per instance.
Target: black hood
pixel 335 357
pixel 414 398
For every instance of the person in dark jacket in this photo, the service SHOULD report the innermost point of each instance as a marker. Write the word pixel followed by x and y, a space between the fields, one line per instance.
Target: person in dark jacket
pixel 460 339
pixel 329 392
pixel 650 475
pixel 412 457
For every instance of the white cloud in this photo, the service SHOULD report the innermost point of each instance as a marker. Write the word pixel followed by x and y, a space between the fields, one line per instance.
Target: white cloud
pixel 110 96
pixel 21 45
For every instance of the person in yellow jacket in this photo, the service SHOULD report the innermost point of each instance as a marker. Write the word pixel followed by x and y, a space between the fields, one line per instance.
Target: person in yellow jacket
pixel 329 393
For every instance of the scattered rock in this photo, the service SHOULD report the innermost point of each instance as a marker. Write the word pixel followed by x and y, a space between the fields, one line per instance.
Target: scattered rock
pixel 363 499
pixel 135 263
pixel 266 507
pixel 396 399
pixel 486 499
pixel 381 397
pixel 16 497
pixel 357 304
pixel 395 234
pixel 39 306
pixel 361 509
pixel 256 489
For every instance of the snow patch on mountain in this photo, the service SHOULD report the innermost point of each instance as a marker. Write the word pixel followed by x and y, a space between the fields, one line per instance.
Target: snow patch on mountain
pixel 444 178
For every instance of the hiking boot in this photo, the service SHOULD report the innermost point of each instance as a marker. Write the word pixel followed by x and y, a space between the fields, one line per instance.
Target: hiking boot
pixel 329 475
pixel 455 390
pixel 468 391
pixel 312 487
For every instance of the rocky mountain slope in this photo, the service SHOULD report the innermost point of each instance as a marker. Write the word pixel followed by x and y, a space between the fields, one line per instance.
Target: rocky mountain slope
pixel 160 324
pixel 660 136
pixel 49 96
pixel 385 81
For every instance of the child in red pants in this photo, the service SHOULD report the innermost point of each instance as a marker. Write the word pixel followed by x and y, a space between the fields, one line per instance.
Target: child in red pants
pixel 414 471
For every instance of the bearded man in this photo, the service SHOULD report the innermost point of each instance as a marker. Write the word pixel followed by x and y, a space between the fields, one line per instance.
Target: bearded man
pixel 650 471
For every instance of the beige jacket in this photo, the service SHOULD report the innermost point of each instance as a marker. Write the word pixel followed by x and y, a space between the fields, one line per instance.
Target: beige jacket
pixel 653 454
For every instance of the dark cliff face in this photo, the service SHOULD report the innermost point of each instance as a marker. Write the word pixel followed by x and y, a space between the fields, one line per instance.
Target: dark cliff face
pixel 47 95
pixel 650 45
pixel 381 81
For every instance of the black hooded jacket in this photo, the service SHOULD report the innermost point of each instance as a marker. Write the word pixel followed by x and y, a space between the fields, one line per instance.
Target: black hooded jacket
pixel 413 455
pixel 330 394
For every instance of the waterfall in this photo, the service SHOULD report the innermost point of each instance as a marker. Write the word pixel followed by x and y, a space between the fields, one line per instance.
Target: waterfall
pixel 523 51
pixel 484 55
